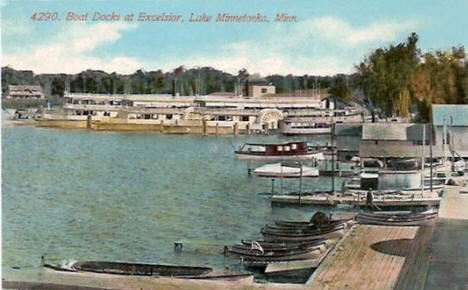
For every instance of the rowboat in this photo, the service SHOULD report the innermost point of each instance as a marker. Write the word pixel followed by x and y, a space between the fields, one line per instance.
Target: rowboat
pixel 279 244
pixel 325 234
pixel 128 268
pixel 384 215
pixel 269 257
pixel 414 219
pixel 305 225
pixel 292 151
pixel 286 170
pixel 248 248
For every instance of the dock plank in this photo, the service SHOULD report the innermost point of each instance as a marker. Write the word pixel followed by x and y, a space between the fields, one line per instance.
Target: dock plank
pixel 369 258
pixel 454 203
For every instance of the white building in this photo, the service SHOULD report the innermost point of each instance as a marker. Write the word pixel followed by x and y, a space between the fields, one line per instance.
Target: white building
pixel 24 92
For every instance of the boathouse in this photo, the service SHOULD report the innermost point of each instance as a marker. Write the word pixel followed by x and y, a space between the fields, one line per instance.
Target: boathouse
pixel 348 139
pixel 453 121
pixel 24 92
pixel 398 140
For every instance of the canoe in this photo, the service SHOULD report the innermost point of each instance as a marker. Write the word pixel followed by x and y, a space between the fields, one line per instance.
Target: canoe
pixel 128 268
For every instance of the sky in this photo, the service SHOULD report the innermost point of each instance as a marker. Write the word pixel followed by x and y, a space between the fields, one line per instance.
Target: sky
pixel 329 37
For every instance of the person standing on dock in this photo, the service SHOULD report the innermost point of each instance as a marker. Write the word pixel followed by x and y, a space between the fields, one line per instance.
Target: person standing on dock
pixel 370 198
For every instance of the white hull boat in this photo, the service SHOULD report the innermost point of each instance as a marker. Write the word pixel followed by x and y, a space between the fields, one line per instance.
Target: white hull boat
pixel 285 171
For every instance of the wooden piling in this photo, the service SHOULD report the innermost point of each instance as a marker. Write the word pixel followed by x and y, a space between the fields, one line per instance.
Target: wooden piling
pixel 88 122
pixel 204 129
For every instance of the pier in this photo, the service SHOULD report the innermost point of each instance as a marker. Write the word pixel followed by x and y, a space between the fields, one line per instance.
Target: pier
pixel 332 200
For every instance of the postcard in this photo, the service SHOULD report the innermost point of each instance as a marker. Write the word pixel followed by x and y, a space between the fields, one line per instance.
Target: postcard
pixel 197 144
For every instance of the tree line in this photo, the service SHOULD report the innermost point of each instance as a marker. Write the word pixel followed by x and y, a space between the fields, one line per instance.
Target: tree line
pixel 195 81
pixel 392 81
pixel 401 78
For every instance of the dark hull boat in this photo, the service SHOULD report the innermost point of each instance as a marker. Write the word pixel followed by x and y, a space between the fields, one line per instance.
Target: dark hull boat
pixel 302 228
pixel 337 232
pixel 307 224
pixel 133 269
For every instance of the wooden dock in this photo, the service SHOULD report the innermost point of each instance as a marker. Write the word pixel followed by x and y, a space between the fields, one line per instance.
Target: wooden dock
pixel 370 257
pixel 332 200
pixel 454 203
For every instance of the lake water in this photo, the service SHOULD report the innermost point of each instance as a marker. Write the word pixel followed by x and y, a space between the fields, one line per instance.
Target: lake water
pixel 128 196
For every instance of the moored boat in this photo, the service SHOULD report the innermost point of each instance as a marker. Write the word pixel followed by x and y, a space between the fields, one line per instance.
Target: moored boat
pixel 129 268
pixel 286 170
pixel 412 219
pixel 292 151
pixel 337 232
pixel 269 257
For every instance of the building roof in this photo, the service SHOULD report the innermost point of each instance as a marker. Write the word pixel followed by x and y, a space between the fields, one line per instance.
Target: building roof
pixel 455 115
pixel 393 131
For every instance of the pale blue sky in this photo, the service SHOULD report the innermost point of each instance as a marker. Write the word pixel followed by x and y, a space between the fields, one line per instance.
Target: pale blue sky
pixel 329 37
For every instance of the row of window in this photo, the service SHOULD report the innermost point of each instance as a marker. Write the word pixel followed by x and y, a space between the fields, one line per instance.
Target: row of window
pixel 286 148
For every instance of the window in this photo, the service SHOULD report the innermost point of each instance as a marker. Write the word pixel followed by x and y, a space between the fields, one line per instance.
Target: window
pixel 293 146
pixel 279 148
pixel 245 118
pixel 264 90
pixel 169 116
pixel 287 148
pixel 221 118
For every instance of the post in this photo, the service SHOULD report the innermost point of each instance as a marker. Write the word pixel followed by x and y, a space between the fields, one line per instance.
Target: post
pixel 333 157
pixel 217 126
pixel 281 177
pixel 423 160
pixel 161 128
pixel 88 122
pixel 272 186
pixel 236 129
pixel 300 184
pixel 430 152
pixel 204 125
